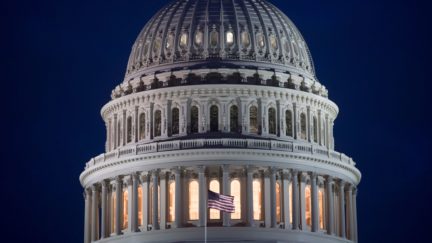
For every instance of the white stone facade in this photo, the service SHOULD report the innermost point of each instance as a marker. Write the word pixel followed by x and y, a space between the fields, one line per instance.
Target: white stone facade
pixel 247 119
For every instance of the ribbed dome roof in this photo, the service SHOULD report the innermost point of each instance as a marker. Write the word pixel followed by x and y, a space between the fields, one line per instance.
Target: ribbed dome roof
pixel 219 33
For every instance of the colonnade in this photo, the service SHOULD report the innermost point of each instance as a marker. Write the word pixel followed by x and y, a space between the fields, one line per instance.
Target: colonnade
pixel 287 200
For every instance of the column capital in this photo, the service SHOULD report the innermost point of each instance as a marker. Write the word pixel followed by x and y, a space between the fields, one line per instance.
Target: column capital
pixel 201 169
pixel 349 187
pixel 163 175
pixel 286 174
pixel 342 184
pixel 250 169
pixel 118 179
pixel 95 188
pixel 104 183
pixel 155 172
pixel 144 176
pixel 329 179
pixel 303 176
pixel 225 168
pixel 177 169
pixel 313 175
pixel 127 180
pixel 135 176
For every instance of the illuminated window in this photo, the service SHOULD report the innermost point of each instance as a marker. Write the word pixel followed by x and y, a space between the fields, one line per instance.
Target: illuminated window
pixel 303 126
pixel 236 193
pixel 245 39
pixel 158 123
pixel 113 211
pixel 184 40
pixel 257 199
pixel 291 203
pixel 171 202
pixel 308 206
pixel 140 209
pixel 315 129
pixel 253 119
pixel 125 209
pixel 272 120
pixel 157 46
pixel 260 40
pixel 194 119
pixel 214 118
pixel 142 126
pixel 193 200
pixel 321 207
pixel 230 38
pixel 151 204
pixel 169 41
pixel 199 36
pixel 289 123
pixel 234 118
pixel 129 129
pixel 273 42
pixel 278 202
pixel 175 116
pixel 214 187
pixel 214 38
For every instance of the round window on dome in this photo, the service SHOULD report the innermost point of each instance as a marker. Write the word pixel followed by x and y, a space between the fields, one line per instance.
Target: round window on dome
pixel 230 38
pixel 199 38
pixel 214 39
pixel 260 40
pixel 169 41
pixel 273 42
pixel 245 39
pixel 184 40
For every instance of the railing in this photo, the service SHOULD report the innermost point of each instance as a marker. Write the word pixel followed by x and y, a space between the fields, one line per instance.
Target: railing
pixel 294 146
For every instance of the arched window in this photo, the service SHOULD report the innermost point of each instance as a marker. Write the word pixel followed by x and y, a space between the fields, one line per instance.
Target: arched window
pixel 125 209
pixel 308 206
pixel 113 211
pixel 257 199
pixel 278 202
pixel 230 38
pixel 291 204
pixel 171 202
pixel 157 123
pixel 193 200
pixel 214 118
pixel 321 207
pixel 234 118
pixel 129 129
pixel 214 187
pixel 245 38
pixel 303 126
pixel 140 210
pixel 253 119
pixel 315 130
pixel 272 120
pixel 214 39
pixel 236 193
pixel 289 123
pixel 142 126
pixel 194 119
pixel 151 204
pixel 175 117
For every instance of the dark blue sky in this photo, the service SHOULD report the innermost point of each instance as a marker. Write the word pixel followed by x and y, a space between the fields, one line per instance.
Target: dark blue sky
pixel 61 59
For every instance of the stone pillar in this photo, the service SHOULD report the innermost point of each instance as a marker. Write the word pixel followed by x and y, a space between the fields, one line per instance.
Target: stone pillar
pixel 263 116
pixel 119 206
pixel 127 183
pixel 226 217
pixel 145 201
pixel 268 199
pixel 314 203
pixel 303 178
pixel 286 177
pixel 163 199
pixel 354 210
pixel 87 215
pixel 184 116
pixel 249 197
pixel 155 219
pixel 273 223
pixel 330 205
pixel 202 196
pixel 295 200
pixel 95 210
pixel 104 210
pixel 349 212
pixel 342 209
pixel 178 198
pixel 134 211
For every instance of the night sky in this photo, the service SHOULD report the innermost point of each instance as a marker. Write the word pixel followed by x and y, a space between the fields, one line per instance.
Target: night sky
pixel 61 59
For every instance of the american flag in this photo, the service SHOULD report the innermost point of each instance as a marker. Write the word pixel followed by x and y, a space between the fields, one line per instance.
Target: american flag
pixel 220 202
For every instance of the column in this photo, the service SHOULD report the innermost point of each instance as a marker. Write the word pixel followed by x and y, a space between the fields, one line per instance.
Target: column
pixel 273 223
pixel 249 197
pixel 163 199
pixel 342 209
pixel 104 210
pixel 134 209
pixel 145 202
pixel 302 178
pixel 178 198
pixel 315 211
pixel 286 177
pixel 354 210
pixel 268 199
pixel 184 116
pixel 94 220
pixel 330 205
pixel 202 196
pixel 127 182
pixel 119 205
pixel 226 217
pixel 155 219
pixel 349 213
pixel 87 215
pixel 296 200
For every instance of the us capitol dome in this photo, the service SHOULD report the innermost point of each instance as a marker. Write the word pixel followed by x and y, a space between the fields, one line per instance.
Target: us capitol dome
pixel 220 95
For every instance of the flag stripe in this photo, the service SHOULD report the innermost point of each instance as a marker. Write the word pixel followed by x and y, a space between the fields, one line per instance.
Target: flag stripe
pixel 220 202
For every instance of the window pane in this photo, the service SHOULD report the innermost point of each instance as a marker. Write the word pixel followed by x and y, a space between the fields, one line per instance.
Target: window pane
pixel 308 208
pixel 234 119
pixel 278 202
pixel 140 200
pixel 230 38
pixel 125 209
pixel 272 120
pixel 175 121
pixel 303 126
pixel 289 125
pixel 257 199
pixel 236 193
pixel 194 119
pixel 315 129
pixel 321 207
pixel 253 119
pixel 158 124
pixel 215 187
pixel 129 129
pixel 171 203
pixel 183 40
pixel 113 211
pixel 142 126
pixel 291 204
pixel 245 39
pixel 214 118
pixel 193 200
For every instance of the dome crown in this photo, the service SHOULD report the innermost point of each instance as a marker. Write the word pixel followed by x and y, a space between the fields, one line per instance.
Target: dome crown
pixel 219 33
